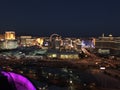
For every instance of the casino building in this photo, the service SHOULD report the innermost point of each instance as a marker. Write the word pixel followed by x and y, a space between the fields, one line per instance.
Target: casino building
pixel 9 41
pixel 108 45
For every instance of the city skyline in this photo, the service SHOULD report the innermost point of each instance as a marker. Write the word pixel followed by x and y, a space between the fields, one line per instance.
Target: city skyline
pixel 60 44
pixel 66 18
pixel 50 34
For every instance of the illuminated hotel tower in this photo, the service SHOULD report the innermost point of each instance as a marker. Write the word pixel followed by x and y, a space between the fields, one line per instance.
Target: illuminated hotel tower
pixel 10 35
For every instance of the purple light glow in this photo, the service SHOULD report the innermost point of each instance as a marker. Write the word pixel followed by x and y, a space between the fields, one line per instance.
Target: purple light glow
pixel 87 44
pixel 21 82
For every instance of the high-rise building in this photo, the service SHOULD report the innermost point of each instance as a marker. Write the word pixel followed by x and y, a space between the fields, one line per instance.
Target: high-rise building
pixel 27 41
pixel 8 44
pixel 9 35
pixel 108 45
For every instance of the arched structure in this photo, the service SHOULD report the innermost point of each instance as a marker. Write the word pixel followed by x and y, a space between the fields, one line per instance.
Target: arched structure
pixel 53 35
pixel 55 38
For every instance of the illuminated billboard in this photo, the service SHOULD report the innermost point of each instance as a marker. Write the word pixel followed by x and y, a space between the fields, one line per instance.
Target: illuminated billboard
pixel 87 44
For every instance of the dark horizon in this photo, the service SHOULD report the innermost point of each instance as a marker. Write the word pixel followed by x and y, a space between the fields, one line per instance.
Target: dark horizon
pixel 66 18
pixel 76 35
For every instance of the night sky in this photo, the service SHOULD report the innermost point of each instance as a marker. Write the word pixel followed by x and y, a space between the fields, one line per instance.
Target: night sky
pixel 65 17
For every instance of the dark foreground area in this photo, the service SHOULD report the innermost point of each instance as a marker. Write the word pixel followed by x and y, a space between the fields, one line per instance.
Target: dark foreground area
pixel 67 77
